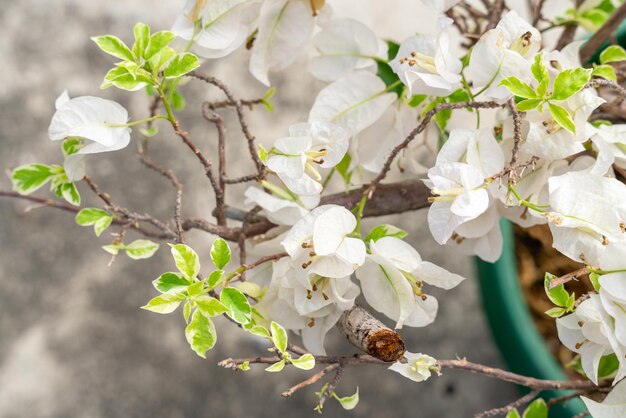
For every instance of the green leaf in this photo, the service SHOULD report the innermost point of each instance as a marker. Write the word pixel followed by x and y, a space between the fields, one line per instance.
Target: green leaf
pixel 539 69
pixel 343 167
pixel 305 362
pixel 605 71
pixel 141 249
pixel 72 145
pixel 170 283
pixel 150 132
pixel 348 402
pixel 513 414
pixel 142 37
pixel 609 364
pixel 528 104
pixel 276 367
pixel 196 289
pixel 178 101
pixel 557 295
pixel 181 65
pixel 210 306
pixel 518 87
pixel 562 117
pixel 113 45
pixel 245 366
pixel 417 100
pixel 613 53
pixel 220 253
pixel 537 409
pixel 113 249
pixel 187 311
pixel 200 334
pixel 158 60
pixel 100 219
pixel 569 82
pixel 594 278
pixel 389 77
pixel 70 193
pixel 279 337
pixel 263 154
pixel 29 178
pixel 164 304
pixel 237 304
pixel 251 289
pixel 121 78
pixel 186 260
pixel 555 312
pixel 157 42
pixel 214 278
pixel 257 330
pixel 385 230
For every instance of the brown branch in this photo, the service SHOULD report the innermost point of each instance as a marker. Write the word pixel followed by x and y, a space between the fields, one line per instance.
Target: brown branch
pixel 311 380
pixel 568 33
pixel 220 193
pixel 603 34
pixel 574 275
pixel 330 388
pixel 230 103
pixel 495 13
pixel 505 409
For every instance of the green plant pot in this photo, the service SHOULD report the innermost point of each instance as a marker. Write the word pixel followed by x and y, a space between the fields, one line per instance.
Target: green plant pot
pixel 521 346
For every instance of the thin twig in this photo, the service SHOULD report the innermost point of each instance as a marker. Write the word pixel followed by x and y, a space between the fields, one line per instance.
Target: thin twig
pixel 330 388
pixel 505 409
pixel 311 380
pixel 574 275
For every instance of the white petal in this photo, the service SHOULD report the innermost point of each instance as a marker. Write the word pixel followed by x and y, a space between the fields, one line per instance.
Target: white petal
pixel 437 276
pixel 424 312
pixel 470 203
pixel 401 254
pixel 330 229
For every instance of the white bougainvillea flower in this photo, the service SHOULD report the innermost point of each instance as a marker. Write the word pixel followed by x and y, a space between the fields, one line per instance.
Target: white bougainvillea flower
pixel 460 197
pixel 610 141
pixel 280 211
pixel 418 366
pixel 294 158
pixel 218 27
pixel 312 310
pixel 426 65
pixel 477 148
pixel 613 406
pixel 345 45
pixel 320 243
pixel 590 332
pixel 392 279
pixel 284 27
pixel 503 52
pixel 100 124
pixel 480 236
pixel 586 215
pixel 547 139
pixel 353 102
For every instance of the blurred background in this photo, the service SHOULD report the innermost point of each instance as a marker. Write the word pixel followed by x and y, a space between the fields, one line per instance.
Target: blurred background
pixel 73 341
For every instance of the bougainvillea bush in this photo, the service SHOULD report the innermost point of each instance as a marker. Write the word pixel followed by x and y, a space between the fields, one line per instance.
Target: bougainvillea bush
pixel 539 138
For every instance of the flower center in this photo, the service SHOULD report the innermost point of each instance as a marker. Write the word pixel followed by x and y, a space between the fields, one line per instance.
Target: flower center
pixel 425 62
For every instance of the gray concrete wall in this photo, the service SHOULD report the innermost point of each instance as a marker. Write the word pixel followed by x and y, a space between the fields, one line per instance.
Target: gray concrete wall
pixel 73 341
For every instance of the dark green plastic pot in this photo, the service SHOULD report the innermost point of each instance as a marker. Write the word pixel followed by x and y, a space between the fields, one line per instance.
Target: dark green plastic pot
pixel 521 346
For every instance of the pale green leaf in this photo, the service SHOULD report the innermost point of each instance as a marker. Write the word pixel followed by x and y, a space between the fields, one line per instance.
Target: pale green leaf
pixel 71 145
pixel 70 193
pixel 558 295
pixel 385 230
pixel 210 306
pixel 613 53
pixel 158 60
pixel 305 362
pixel 113 45
pixel 528 104
pixel 555 312
pixel 279 337
pixel 237 304
pixel 569 82
pixel 29 178
pixel 164 304
pixel 196 289
pixel 181 65
pixel 157 42
pixel 200 333
pixel 276 367
pixel 113 249
pixel 562 117
pixel 605 71
pixel 257 330
pixel 142 37
pixel 513 414
pixel 519 88
pixel 171 283
pixel 251 289
pixel 186 259
pixel 220 253
pixel 214 278
pixel 348 402
pixel 537 409
pixel 140 249
pixel 187 311
pixel 99 218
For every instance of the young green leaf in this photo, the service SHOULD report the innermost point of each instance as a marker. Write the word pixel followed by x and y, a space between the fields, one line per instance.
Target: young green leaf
pixel 528 104
pixel 181 65
pixel 556 312
pixel 237 304
pixel 164 304
pixel 385 230
pixel 113 45
pixel 305 362
pixel 71 145
pixel 141 249
pixel 100 219
pixel 519 88
pixel 558 295
pixel 178 101
pixel 200 333
pixel 594 278
pixel 348 402
pixel 112 249
pixel 251 289
pixel 142 37
pixel 562 117
pixel 569 82
pixel 279 337
pixel 214 278
pixel 513 414
pixel 257 330
pixel 276 367
pixel 539 69
pixel 537 409
pixel 210 306
pixel 157 42
pixel 263 154
pixel 605 71
pixel 196 289
pixel 187 311
pixel 613 53
pixel 158 60
pixel 220 253
pixel 170 283
pixel 70 193
pixel 29 178
pixel 186 260
pixel 343 168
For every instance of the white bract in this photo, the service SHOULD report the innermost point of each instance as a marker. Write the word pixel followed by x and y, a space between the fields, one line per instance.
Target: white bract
pixel 610 141
pixel 426 65
pixel 613 406
pixel 392 279
pixel 345 45
pixel 503 52
pixel 590 332
pixel 320 243
pixel 100 124
pixel 217 27
pixel 418 366
pixel 294 158
pixel 476 148
pixel 460 197
pixel 280 211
